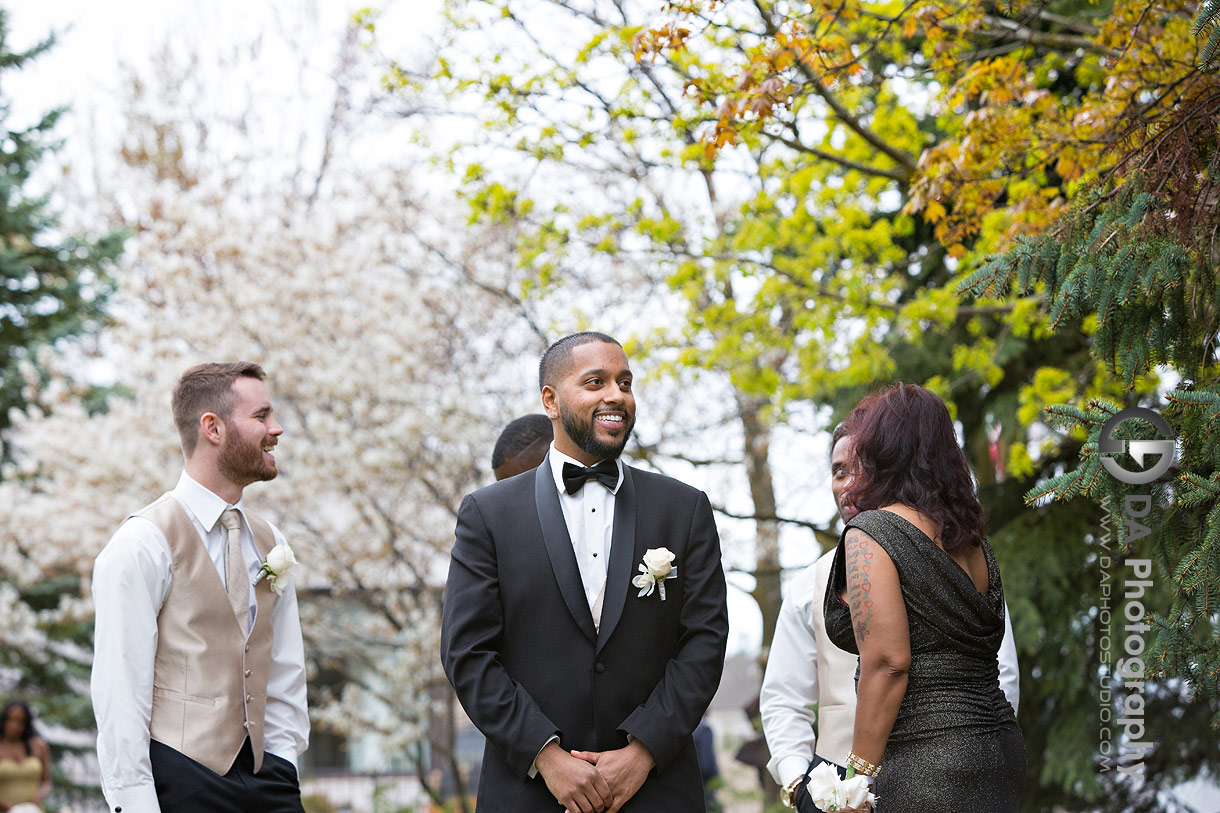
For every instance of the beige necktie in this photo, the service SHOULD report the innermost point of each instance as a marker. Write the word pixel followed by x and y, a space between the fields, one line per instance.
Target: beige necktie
pixel 237 580
pixel 596 609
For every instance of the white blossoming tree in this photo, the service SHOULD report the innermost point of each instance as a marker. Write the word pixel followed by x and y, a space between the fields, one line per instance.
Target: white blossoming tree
pixel 395 349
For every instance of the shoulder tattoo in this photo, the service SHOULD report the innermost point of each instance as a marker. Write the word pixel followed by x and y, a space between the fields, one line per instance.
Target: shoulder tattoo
pixel 859 563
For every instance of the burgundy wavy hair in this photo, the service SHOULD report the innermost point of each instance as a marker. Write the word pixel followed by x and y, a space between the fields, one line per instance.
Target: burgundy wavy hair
pixel 907 452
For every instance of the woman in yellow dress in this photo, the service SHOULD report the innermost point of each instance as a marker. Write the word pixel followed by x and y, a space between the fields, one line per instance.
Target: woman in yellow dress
pixel 25 762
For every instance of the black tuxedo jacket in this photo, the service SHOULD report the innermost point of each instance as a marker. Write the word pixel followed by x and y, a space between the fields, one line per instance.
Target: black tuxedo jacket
pixel 519 646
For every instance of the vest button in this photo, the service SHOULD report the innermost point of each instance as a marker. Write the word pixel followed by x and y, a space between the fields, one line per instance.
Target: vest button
pixel 247 647
pixel 247 673
pixel 599 668
pixel 249 697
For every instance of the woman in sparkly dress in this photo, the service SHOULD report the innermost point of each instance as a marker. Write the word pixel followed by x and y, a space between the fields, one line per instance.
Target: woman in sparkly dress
pixel 915 590
pixel 25 761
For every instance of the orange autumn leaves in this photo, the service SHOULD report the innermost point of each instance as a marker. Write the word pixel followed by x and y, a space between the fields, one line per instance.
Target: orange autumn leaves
pixel 1030 105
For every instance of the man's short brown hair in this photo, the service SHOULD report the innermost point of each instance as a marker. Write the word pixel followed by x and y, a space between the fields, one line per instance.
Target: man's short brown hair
pixel 207 388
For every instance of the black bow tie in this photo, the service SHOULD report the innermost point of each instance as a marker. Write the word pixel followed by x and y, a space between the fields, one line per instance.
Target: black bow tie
pixel 574 477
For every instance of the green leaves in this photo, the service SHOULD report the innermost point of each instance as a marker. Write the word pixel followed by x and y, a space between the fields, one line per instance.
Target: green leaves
pixel 839 195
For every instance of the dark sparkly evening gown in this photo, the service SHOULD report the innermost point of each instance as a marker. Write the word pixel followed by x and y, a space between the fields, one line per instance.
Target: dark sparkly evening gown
pixel 955 745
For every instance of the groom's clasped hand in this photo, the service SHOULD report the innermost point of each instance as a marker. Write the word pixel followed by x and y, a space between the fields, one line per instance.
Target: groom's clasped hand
pixel 575 783
pixel 597 781
pixel 624 770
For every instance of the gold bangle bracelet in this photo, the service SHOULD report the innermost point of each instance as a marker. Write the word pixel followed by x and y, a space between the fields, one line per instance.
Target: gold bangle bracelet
pixel 787 793
pixel 861 765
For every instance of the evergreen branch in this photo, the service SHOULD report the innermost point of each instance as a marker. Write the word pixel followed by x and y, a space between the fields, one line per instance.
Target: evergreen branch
pixel 1207 18
pixel 1199 398
pixel 1207 23
pixel 1057 487
pixel 1065 416
pixel 1196 490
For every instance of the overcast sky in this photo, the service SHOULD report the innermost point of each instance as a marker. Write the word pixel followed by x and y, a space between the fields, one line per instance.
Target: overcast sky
pixel 100 44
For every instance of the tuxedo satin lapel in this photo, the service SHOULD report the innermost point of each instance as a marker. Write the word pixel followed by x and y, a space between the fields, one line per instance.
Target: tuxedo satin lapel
pixel 559 548
pixel 622 559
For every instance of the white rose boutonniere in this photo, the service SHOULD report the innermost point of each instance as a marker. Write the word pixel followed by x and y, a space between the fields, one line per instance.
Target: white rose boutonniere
pixel 658 566
pixel 280 561
pixel 830 793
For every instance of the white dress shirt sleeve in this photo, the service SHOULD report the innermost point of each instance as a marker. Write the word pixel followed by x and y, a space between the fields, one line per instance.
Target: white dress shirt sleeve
pixel 286 718
pixel 534 766
pixel 1010 674
pixel 131 579
pixel 790 686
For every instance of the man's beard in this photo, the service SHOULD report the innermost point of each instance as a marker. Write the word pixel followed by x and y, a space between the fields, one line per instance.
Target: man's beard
pixel 243 462
pixel 581 433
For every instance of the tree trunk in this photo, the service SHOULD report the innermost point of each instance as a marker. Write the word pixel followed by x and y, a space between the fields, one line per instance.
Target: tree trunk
pixel 757 431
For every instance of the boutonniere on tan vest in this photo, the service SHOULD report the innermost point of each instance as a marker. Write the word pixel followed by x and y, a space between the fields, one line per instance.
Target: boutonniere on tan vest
pixel 280 562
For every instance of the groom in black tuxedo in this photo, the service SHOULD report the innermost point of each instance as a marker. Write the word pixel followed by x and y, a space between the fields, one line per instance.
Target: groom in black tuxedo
pixel 585 668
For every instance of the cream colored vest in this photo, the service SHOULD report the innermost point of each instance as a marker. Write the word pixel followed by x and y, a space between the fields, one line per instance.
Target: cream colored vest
pixel 836 679
pixel 209 684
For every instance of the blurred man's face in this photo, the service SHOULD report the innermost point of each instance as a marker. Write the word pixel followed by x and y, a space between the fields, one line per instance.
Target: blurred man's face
pixel 842 469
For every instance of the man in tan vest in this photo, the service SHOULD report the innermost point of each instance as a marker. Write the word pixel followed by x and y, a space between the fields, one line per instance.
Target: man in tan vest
pixel 199 669
pixel 811 681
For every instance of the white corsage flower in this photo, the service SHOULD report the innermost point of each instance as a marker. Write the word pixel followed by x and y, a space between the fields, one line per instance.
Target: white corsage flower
pixel 280 561
pixel 830 793
pixel 856 791
pixel 658 566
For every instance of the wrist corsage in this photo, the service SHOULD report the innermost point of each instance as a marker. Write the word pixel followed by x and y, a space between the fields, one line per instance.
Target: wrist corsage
pixel 830 793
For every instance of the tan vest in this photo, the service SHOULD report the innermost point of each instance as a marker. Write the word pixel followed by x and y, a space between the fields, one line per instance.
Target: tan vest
pixel 209 684
pixel 836 679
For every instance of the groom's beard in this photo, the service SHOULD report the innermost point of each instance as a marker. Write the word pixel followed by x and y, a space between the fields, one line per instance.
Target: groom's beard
pixel 241 461
pixel 582 434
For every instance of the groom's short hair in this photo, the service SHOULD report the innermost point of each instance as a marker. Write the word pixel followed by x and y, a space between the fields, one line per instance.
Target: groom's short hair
pixel 557 356
pixel 207 388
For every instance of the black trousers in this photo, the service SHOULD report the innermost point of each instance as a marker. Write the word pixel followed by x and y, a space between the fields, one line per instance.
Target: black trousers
pixel 185 786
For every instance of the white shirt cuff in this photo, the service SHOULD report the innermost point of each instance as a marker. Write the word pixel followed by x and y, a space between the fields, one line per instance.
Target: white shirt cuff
pixel 790 768
pixel 289 758
pixel 534 768
pixel 136 799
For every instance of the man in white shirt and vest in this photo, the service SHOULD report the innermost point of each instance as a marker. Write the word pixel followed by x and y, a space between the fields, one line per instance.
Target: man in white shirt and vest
pixel 811 681
pixel 198 680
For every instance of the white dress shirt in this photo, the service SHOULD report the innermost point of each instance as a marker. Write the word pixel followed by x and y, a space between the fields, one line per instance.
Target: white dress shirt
pixel 131 580
pixel 790 685
pixel 589 515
